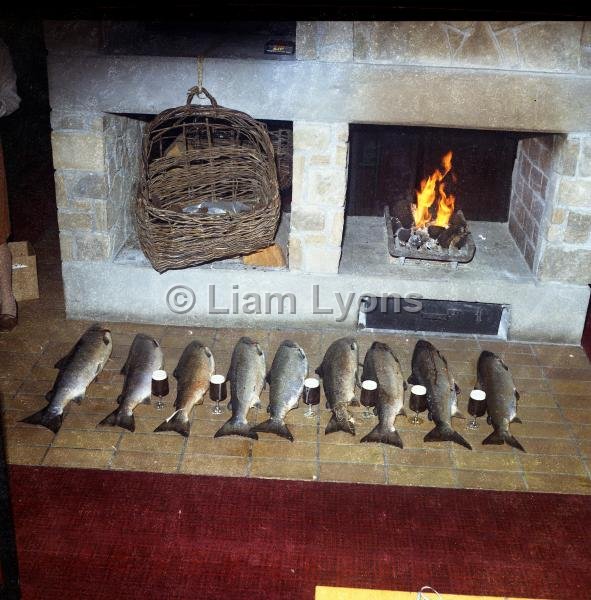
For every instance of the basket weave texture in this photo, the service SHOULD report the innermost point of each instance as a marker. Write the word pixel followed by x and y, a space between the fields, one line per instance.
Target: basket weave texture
pixel 198 153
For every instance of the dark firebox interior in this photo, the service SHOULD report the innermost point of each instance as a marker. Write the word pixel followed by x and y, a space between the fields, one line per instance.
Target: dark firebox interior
pixel 387 164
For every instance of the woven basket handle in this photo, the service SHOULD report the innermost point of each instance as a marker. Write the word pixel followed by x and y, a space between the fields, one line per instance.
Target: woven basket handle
pixel 197 91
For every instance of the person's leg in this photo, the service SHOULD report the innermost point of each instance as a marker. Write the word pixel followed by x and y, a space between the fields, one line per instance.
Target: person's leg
pixel 7 300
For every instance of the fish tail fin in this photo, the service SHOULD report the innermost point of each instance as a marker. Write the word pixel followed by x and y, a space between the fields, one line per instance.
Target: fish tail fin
pixel 499 436
pixel 235 427
pixel 340 420
pixel 379 434
pixel 444 433
pixel 274 426
pixel 121 419
pixel 47 418
pixel 179 422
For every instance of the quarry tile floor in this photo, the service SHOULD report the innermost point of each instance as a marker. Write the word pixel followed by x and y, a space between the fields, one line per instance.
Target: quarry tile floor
pixel 555 406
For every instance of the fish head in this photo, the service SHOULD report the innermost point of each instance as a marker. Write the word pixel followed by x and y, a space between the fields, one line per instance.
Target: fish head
pixel 351 343
pixel 381 347
pixel 96 329
pixel 289 344
pixel 489 362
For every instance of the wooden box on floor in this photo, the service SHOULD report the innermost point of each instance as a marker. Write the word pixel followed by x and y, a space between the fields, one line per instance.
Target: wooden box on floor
pixel 24 271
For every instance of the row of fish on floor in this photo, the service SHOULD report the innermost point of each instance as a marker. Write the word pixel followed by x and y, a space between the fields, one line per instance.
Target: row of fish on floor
pixel 248 375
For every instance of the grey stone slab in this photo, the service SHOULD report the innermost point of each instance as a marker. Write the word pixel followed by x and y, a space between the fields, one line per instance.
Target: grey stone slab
pixel 497 257
pixel 354 93
pixel 123 292
pixel 551 46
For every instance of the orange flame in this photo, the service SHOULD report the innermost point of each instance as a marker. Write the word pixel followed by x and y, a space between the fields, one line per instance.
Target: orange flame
pixel 433 189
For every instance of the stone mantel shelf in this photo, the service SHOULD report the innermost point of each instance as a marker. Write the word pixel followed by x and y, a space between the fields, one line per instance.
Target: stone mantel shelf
pixel 329 92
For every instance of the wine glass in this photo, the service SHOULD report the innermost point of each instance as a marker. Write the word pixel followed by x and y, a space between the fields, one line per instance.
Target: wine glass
pixel 217 392
pixel 369 394
pixel 160 387
pixel 311 396
pixel 418 402
pixel 476 407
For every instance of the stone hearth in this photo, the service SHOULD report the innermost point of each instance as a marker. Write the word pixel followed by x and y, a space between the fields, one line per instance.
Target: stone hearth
pixel 528 77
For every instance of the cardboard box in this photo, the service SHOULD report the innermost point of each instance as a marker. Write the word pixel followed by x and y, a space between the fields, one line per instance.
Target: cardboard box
pixel 24 271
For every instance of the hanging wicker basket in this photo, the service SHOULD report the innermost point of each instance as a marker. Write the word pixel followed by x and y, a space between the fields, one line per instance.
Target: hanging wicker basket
pixel 208 186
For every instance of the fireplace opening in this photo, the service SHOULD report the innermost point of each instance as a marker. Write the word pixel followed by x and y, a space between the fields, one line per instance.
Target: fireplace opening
pixel 388 163
pixel 123 147
pixel 444 195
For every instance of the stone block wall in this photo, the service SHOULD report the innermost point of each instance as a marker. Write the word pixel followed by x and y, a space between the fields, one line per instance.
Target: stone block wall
pixel 320 152
pixel 544 46
pixel 531 174
pixel 565 250
pixel 96 161
pixel 550 213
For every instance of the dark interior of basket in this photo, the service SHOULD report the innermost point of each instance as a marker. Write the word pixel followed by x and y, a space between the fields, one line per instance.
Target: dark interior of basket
pixel 216 160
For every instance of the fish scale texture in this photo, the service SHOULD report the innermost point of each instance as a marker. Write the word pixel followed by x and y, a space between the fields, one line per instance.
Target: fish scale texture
pixel 91 534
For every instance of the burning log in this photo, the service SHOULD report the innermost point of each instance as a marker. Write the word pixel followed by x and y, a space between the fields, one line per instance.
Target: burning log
pixel 456 234
pixel 402 211
pixel 435 231
pixel 404 234
pixel 458 220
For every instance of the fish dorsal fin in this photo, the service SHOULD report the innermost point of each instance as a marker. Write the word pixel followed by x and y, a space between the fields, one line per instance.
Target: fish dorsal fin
pixel 457 388
pixel 259 349
pixel 302 353
pixel 517 396
pixel 156 343
pixel 207 352
pixel 503 364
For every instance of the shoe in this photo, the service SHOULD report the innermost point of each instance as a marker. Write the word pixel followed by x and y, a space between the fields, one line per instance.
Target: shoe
pixel 8 322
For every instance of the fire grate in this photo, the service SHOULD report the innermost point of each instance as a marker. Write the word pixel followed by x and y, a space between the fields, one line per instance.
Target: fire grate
pixel 425 247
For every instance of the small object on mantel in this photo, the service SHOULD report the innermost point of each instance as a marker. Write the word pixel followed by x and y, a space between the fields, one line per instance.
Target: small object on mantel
pixel 272 256
pixel 279 47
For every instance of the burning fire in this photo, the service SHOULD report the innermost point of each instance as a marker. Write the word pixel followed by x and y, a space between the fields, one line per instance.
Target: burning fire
pixel 433 189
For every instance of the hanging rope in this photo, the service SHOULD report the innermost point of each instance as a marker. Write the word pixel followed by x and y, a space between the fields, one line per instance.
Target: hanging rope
pixel 199 74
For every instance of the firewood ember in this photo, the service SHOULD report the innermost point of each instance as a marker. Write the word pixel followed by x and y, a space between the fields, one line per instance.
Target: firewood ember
pixel 435 231
pixel 446 237
pixel 415 240
pixel 401 210
pixel 404 234
pixel 461 240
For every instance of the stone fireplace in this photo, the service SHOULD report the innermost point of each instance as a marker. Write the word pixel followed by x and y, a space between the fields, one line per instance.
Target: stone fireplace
pixel 533 78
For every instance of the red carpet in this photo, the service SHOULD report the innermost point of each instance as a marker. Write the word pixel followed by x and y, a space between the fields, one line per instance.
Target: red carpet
pixel 98 534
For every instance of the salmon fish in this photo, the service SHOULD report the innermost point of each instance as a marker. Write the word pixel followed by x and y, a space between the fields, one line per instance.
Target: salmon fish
pixel 193 372
pixel 145 357
pixel 382 366
pixel 77 370
pixel 247 380
pixel 429 368
pixel 495 379
pixel 339 373
pixel 286 379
